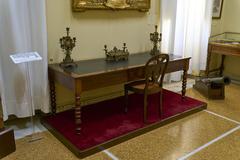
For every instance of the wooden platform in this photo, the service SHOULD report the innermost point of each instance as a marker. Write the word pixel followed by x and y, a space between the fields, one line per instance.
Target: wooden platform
pixel 81 153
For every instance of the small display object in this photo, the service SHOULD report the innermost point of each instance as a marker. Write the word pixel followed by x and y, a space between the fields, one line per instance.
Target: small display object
pixel 226 38
pixel 116 54
pixel 155 38
pixel 212 88
pixel 67 44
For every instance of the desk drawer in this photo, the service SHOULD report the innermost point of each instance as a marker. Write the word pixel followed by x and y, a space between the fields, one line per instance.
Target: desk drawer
pixel 103 80
pixel 135 74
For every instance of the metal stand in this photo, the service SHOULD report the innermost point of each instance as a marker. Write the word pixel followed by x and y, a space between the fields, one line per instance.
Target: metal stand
pixel 33 137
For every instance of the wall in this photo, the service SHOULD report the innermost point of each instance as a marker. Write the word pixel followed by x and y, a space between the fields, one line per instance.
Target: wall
pixel 229 23
pixel 231 16
pixel 93 29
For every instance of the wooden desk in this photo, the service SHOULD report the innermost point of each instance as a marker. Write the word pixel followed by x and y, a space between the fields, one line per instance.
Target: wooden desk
pixel 223 49
pixel 97 73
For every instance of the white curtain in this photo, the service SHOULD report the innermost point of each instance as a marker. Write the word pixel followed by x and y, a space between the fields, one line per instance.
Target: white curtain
pixel 23 29
pixel 186 26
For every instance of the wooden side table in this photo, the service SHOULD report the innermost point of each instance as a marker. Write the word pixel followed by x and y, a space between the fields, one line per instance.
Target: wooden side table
pixel 223 49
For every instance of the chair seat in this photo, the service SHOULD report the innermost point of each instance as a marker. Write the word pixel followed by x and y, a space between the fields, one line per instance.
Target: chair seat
pixel 139 86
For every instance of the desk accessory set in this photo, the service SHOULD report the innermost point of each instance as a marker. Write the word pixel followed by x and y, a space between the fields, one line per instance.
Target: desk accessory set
pixel 116 54
pixel 67 43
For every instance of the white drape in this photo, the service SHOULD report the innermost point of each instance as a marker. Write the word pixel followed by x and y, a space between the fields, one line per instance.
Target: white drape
pixel 23 29
pixel 186 26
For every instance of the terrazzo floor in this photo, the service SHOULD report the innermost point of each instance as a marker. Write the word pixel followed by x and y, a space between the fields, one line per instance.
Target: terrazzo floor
pixel 207 135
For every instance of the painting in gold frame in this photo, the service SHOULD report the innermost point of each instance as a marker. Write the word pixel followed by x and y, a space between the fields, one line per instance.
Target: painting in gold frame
pixel 83 5
pixel 217 9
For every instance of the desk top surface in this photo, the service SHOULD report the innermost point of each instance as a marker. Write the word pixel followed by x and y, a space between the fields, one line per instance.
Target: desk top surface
pixel 100 65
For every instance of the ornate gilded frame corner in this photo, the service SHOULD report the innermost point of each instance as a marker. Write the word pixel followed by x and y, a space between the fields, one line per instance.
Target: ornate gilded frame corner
pixel 83 5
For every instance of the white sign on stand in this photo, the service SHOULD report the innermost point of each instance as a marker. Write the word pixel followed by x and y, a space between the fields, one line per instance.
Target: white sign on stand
pixel 25 57
pixel 28 57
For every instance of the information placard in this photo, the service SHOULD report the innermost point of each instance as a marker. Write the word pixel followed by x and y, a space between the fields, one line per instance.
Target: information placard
pixel 25 57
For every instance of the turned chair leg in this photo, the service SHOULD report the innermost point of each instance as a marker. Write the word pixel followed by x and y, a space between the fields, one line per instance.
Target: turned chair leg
pixel 160 103
pixel 145 109
pixel 126 100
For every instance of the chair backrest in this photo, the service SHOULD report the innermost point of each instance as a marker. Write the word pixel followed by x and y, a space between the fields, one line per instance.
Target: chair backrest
pixel 155 69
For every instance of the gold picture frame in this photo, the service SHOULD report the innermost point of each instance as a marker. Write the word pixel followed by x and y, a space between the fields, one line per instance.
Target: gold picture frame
pixel 83 5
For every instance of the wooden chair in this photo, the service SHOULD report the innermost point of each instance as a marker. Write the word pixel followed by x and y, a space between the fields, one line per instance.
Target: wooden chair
pixel 154 73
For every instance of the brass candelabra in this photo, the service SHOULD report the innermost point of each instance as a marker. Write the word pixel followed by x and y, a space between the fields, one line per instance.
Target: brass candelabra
pixel 155 37
pixel 67 44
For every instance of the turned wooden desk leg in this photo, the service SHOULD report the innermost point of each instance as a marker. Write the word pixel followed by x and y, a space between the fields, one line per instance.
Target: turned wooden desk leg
pixel 184 80
pixel 52 96
pixel 78 120
pixel 184 83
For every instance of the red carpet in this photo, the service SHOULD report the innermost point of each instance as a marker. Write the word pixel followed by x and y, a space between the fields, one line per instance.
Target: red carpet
pixel 106 120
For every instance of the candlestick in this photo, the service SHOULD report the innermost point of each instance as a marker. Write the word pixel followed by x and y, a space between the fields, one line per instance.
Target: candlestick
pixel 155 37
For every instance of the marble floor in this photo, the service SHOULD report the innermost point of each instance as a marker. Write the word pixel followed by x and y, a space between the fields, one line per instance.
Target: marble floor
pixel 24 127
pixel 212 134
